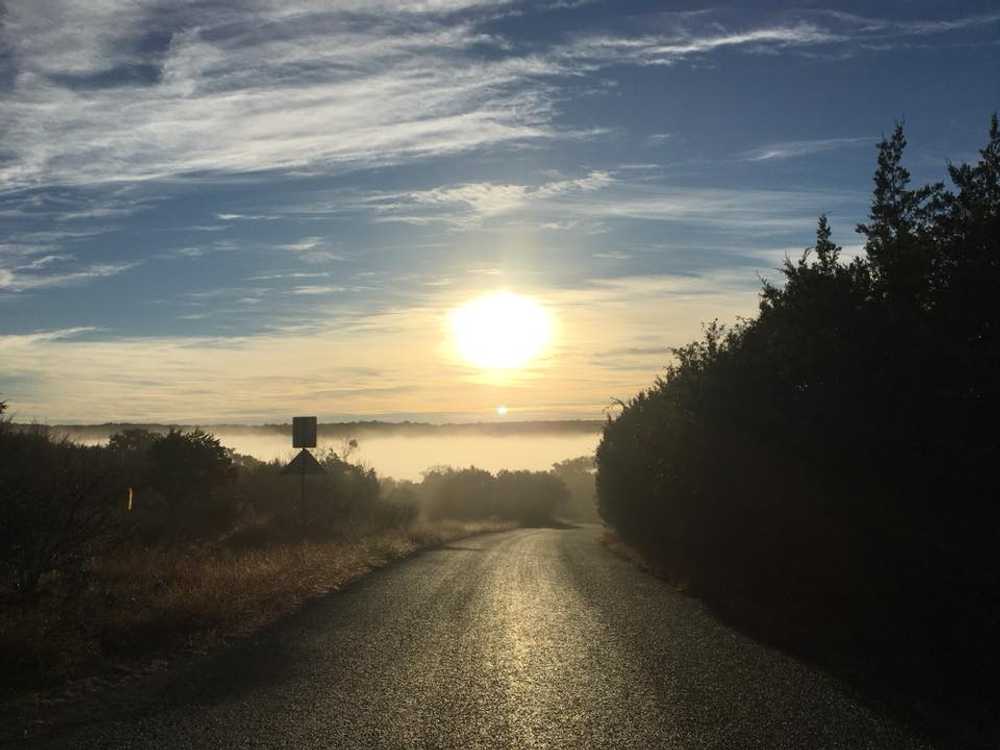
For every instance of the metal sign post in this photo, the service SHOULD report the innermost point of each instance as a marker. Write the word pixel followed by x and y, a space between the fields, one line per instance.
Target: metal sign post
pixel 304 437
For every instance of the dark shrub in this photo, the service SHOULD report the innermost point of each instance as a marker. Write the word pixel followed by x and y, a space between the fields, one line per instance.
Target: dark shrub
pixel 59 505
pixel 458 493
pixel 527 497
pixel 192 474
pixel 578 476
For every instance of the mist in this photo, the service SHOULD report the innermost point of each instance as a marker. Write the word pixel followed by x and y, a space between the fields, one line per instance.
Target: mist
pixel 405 457
pixel 400 451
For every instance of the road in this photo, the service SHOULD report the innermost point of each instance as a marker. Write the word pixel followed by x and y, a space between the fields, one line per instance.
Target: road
pixel 528 639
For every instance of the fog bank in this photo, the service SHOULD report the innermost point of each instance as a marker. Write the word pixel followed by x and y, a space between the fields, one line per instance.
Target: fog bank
pixel 405 457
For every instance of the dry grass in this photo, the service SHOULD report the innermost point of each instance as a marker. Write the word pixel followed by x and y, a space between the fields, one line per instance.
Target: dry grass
pixel 143 605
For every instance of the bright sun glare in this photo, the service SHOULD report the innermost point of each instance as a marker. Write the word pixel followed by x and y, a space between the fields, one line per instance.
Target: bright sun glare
pixel 500 330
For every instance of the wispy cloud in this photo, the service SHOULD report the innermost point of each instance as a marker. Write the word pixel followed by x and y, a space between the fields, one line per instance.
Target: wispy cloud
pixel 304 245
pixel 697 35
pixel 247 217
pixel 135 90
pixel 313 250
pixel 41 337
pixel 317 289
pixel 601 196
pixel 312 87
pixel 17 281
pixel 671 48
pixel 466 205
pixel 794 149
pixel 43 262
pixel 925 27
pixel 290 275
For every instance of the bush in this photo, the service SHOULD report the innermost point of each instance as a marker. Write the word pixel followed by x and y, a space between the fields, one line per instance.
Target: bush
pixel 458 493
pixel 59 505
pixel 131 450
pixel 529 498
pixel 578 476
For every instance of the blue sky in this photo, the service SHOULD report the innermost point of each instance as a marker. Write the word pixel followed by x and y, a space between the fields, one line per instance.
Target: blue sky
pixel 237 211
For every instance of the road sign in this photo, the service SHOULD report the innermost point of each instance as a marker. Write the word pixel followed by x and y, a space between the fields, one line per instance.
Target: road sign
pixel 304 463
pixel 303 432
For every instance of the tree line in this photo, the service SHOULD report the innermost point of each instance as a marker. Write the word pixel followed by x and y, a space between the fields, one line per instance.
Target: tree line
pixel 830 464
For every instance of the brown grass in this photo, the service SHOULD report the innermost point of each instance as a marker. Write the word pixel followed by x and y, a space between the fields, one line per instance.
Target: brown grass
pixel 147 605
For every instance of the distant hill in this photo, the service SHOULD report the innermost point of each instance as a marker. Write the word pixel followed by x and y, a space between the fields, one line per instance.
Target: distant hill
pixel 348 429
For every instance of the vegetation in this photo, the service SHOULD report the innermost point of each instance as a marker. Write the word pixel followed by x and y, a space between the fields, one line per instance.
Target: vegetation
pixel 160 541
pixel 57 507
pixel 578 476
pixel 829 465
pixel 344 430
pixel 528 497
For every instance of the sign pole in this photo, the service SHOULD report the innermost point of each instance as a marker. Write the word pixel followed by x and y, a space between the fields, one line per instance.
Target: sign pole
pixel 304 437
pixel 302 496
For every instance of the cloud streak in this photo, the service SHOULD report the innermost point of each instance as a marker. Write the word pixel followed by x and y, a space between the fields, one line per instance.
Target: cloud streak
pixel 796 149
pixel 799 31
pixel 571 203
pixel 251 87
pixel 467 205
pixel 18 281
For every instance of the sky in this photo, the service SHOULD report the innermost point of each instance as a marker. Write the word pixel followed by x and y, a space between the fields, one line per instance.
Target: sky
pixel 239 211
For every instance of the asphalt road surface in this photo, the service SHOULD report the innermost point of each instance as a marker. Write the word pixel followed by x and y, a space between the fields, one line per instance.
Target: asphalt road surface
pixel 528 639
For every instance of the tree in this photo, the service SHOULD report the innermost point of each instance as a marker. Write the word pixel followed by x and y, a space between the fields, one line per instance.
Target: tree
pixel 459 493
pixel 131 449
pixel 896 236
pixel 832 459
pixel 529 497
pixel 578 476
pixel 132 441
pixel 192 471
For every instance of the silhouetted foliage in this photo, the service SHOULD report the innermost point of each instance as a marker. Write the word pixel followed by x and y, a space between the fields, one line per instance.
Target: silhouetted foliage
pixel 62 503
pixel 349 496
pixel 191 474
pixel 131 451
pixel 528 497
pixel 833 458
pixel 458 493
pixel 58 506
pixel 347 500
pixel 578 476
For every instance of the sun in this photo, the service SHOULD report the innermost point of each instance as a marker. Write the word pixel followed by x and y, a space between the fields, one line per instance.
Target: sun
pixel 500 331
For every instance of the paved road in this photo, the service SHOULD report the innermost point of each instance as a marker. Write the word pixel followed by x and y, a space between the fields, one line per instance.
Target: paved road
pixel 529 639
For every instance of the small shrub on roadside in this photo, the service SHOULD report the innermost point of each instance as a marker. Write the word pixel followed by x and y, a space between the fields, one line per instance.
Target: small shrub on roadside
pixel 60 504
